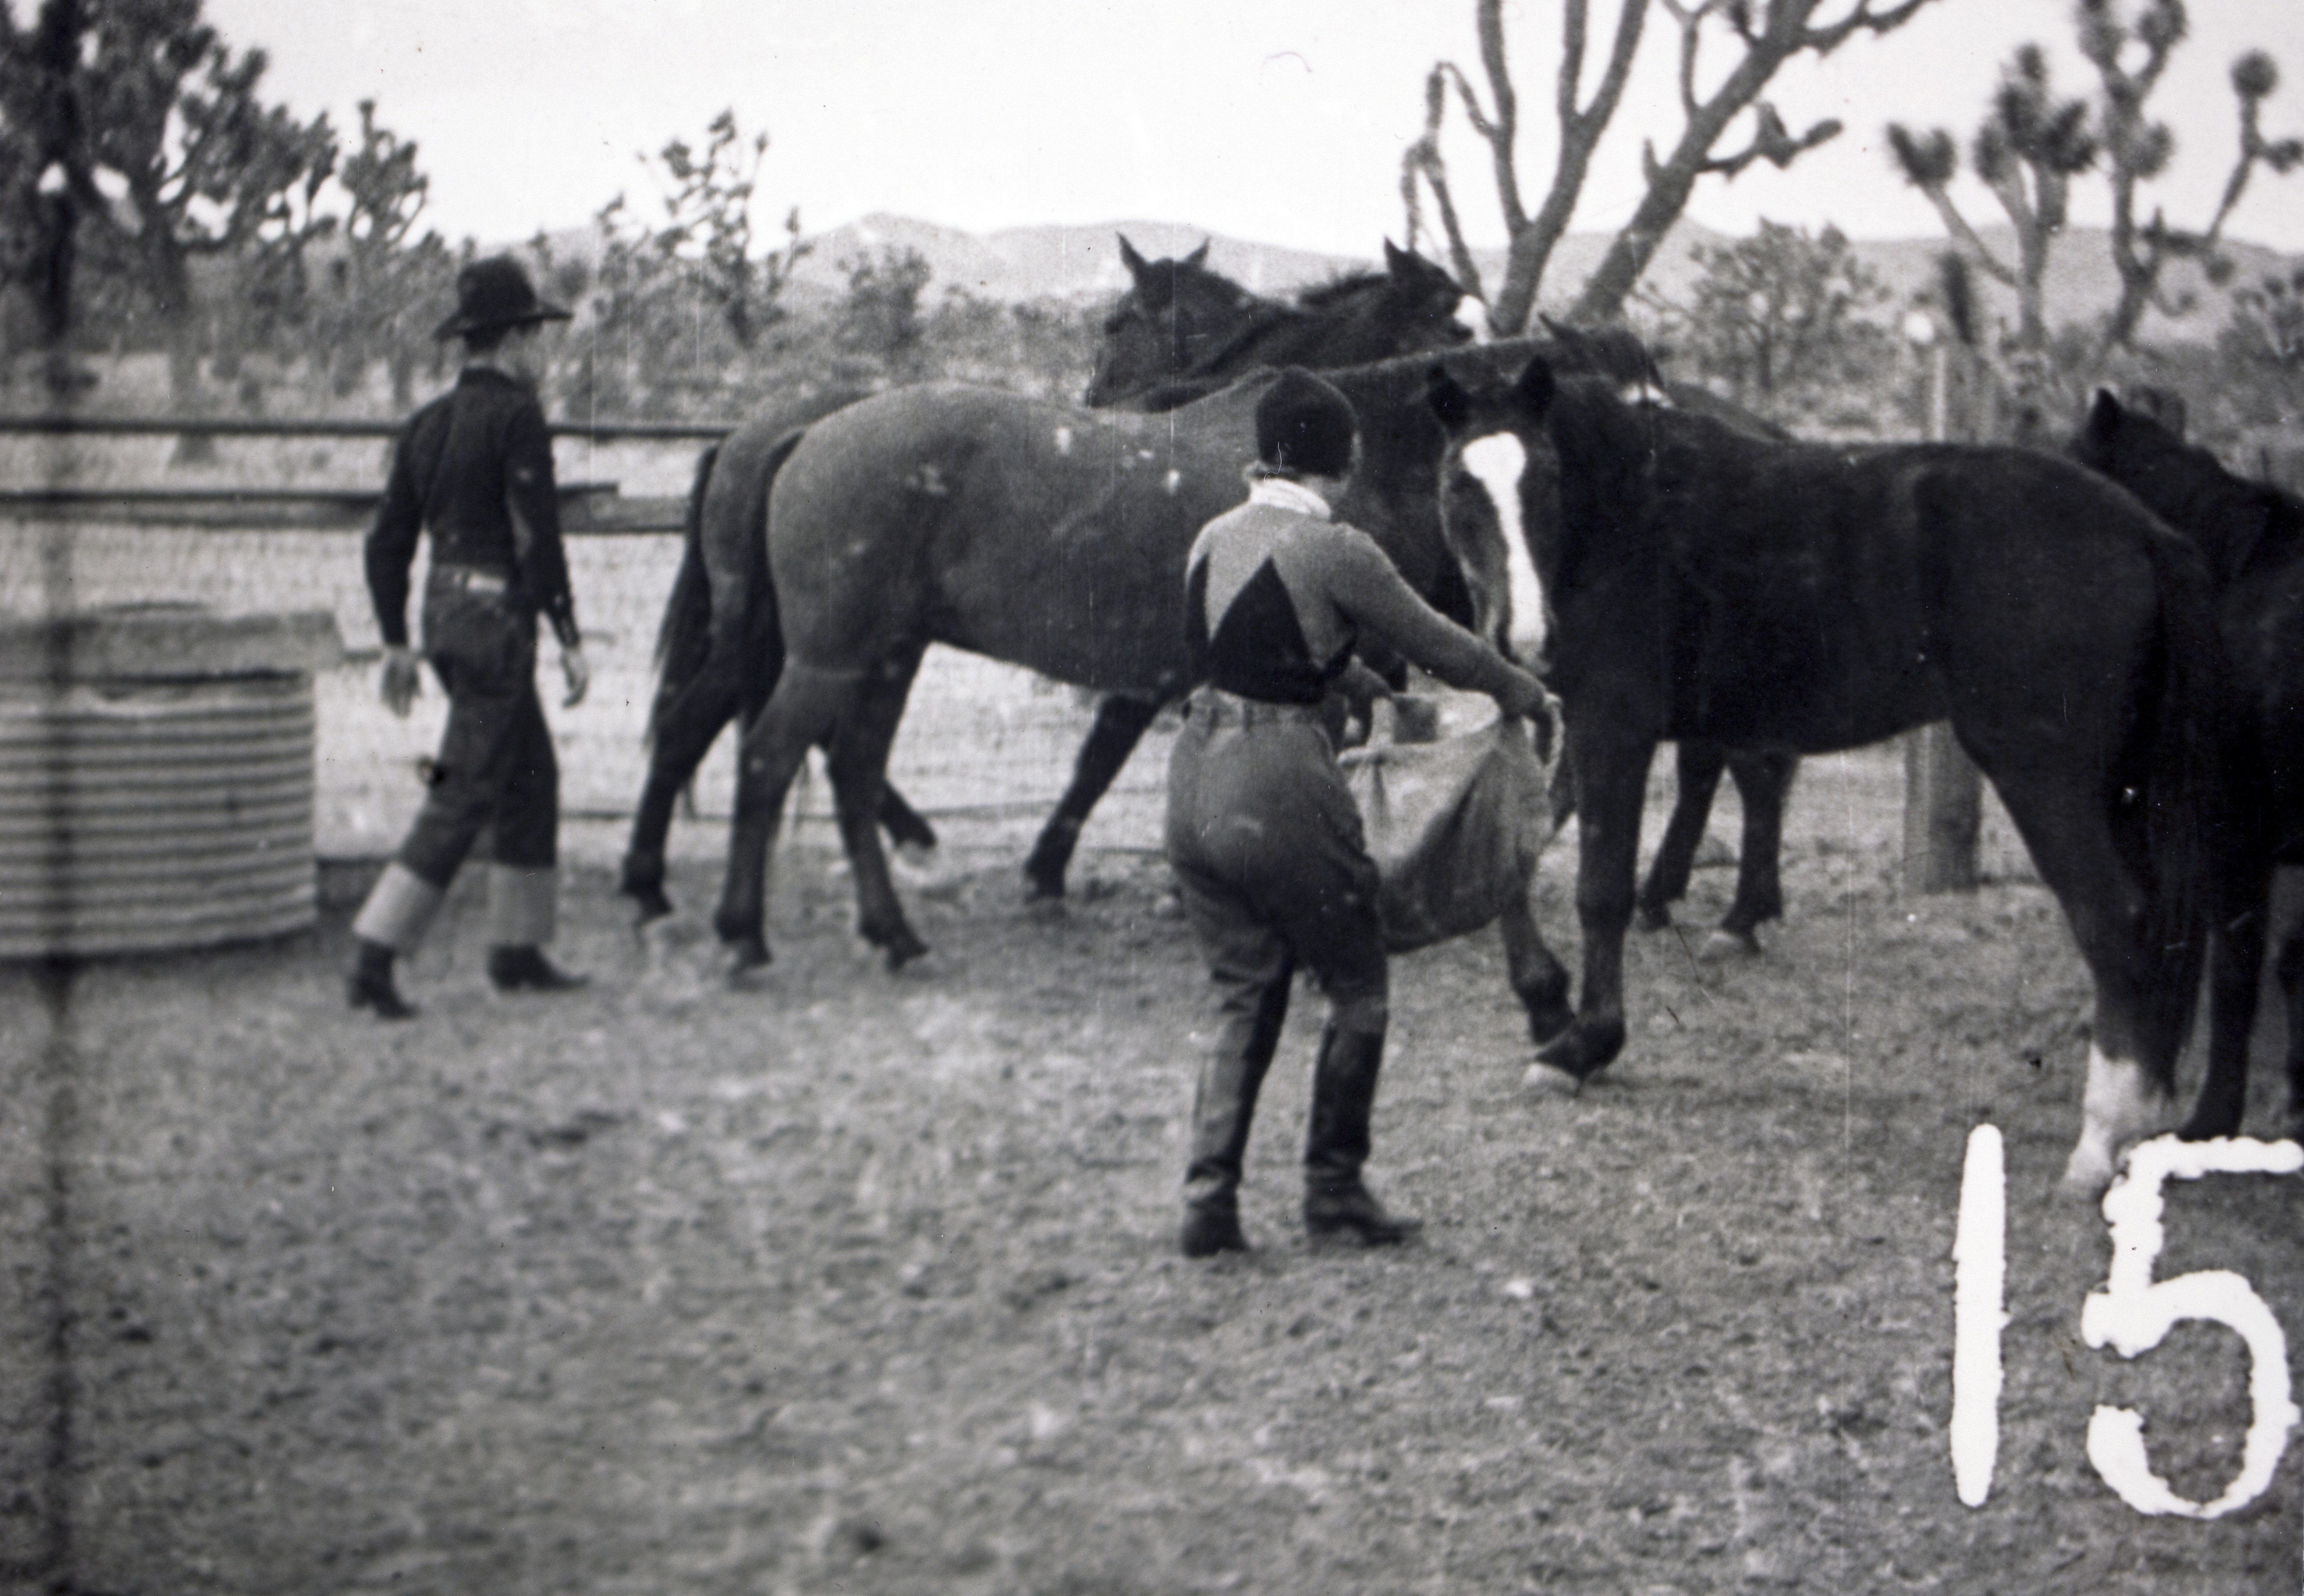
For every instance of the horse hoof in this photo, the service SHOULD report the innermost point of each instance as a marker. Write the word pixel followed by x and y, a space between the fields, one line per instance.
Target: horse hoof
pixel 747 958
pixel 1042 887
pixel 1585 1048
pixel 902 949
pixel 1724 946
pixel 1546 1081
pixel 1653 917
pixel 2086 1172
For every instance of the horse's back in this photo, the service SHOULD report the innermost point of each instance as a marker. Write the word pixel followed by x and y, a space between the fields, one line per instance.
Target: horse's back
pixel 1838 595
pixel 1045 535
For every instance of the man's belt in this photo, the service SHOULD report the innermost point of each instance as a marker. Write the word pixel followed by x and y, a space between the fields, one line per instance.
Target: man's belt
pixel 469 579
pixel 1214 706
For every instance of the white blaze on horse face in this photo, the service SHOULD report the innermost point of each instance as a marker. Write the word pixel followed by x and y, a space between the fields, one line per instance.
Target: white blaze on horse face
pixel 1496 462
pixel 1064 440
pixel 2116 1109
pixel 1173 481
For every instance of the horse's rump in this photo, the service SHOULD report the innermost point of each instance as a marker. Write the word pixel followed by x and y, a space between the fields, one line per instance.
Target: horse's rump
pixel 1045 535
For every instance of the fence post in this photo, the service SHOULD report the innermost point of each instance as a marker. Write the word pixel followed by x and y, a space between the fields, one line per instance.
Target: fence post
pixel 1943 792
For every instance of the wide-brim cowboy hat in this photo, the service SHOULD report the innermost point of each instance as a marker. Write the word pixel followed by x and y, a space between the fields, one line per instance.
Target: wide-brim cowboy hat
pixel 496 292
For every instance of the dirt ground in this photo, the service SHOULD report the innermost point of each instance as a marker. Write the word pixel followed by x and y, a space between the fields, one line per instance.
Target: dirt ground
pixel 863 1284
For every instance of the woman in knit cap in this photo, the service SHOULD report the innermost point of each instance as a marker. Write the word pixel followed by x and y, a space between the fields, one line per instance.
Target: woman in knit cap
pixel 475 466
pixel 1262 833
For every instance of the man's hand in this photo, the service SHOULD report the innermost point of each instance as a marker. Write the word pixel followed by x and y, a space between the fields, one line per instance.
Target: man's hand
pixel 578 675
pixel 401 682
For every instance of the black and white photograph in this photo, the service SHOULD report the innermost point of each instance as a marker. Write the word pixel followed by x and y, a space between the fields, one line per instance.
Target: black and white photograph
pixel 1473 797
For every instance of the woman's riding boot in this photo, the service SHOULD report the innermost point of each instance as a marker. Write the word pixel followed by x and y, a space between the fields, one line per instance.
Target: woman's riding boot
pixel 1223 1106
pixel 1344 1094
pixel 1224 1103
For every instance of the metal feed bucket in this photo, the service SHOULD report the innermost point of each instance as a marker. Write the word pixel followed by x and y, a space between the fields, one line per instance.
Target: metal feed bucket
pixel 155 778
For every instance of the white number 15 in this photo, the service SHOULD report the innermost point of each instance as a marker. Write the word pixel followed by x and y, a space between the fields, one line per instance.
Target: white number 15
pixel 2133 1313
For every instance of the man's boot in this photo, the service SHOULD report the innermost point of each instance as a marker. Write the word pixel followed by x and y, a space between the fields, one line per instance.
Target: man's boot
pixel 1343 1094
pixel 522 967
pixel 391 922
pixel 370 984
pixel 523 910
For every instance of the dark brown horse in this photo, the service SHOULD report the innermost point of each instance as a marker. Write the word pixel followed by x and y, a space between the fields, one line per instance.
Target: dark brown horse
pixel 1042 535
pixel 1184 330
pixel 1181 327
pixel 2252 535
pixel 1179 333
pixel 719 646
pixel 1807 599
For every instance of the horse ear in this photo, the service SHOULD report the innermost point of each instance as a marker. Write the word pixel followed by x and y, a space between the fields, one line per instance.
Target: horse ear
pixel 1571 341
pixel 1534 387
pixel 1398 262
pixel 1198 256
pixel 1447 398
pixel 1134 262
pixel 2104 415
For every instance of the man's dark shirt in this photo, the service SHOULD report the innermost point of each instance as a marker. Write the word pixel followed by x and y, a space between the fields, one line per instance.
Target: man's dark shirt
pixel 475 466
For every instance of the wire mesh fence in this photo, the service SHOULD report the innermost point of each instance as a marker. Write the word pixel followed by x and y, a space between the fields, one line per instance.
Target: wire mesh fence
pixel 985 750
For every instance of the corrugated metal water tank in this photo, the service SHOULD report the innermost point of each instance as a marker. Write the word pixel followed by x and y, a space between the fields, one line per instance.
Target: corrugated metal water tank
pixel 155 778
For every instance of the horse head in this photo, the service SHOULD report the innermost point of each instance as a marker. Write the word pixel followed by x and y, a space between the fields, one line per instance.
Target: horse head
pixel 1423 303
pixel 1173 315
pixel 2227 516
pixel 1498 484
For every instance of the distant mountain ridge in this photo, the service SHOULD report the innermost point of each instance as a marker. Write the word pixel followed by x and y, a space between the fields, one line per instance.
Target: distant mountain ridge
pixel 1016 264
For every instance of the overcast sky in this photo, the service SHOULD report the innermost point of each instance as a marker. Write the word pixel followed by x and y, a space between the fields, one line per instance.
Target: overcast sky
pixel 1281 120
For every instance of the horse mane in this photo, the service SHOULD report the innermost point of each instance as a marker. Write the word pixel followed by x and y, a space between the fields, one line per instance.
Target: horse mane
pixel 1268 319
pixel 1321 296
pixel 2234 517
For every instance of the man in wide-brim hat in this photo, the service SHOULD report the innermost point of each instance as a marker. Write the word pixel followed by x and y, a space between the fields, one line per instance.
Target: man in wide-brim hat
pixel 475 467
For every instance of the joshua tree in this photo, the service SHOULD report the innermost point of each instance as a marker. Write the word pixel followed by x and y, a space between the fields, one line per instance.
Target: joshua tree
pixel 1767 33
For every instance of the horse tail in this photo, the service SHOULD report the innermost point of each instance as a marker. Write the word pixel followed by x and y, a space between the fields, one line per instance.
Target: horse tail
pixel 2177 766
pixel 763 626
pixel 684 639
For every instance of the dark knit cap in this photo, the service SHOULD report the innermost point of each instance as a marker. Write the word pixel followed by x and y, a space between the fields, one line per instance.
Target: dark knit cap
pixel 496 292
pixel 1304 425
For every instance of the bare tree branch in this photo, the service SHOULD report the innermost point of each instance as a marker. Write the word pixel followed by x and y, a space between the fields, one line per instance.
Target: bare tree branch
pixel 1424 160
pixel 1767 44
pixel 2139 150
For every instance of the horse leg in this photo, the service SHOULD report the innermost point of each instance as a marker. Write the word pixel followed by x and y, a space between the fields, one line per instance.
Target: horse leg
pixel 2064 818
pixel 1538 979
pixel 906 826
pixel 857 761
pixel 1764 782
pixel 2236 969
pixel 2292 990
pixel 1611 773
pixel 805 708
pixel 682 737
pixel 1699 767
pixel 1121 719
